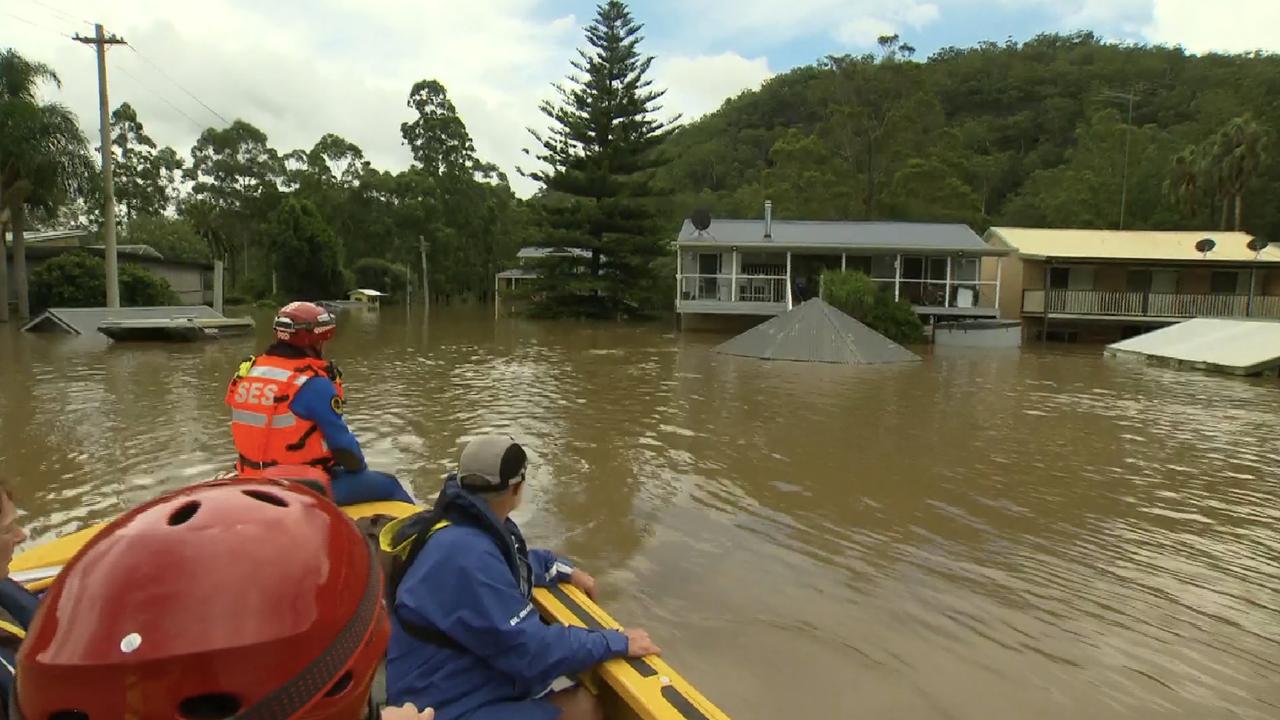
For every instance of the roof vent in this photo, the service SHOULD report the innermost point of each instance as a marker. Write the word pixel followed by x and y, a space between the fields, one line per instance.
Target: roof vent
pixel 768 219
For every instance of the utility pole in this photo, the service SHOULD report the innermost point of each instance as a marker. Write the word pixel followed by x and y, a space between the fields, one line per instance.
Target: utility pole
pixel 1128 135
pixel 100 41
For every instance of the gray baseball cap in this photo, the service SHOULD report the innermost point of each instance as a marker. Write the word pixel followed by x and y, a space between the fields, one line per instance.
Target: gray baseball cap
pixel 492 462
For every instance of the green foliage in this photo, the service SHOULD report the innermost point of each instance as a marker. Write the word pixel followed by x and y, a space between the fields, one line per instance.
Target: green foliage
pixel 1000 133
pixel 140 288
pixel 378 274
pixel 174 238
pixel 601 152
pixel 856 295
pixel 78 279
pixel 305 253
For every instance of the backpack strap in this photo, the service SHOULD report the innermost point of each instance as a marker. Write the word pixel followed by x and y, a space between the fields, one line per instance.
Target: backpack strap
pixel 400 541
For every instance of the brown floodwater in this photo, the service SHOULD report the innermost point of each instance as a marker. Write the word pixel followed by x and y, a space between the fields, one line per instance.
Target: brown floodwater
pixel 985 535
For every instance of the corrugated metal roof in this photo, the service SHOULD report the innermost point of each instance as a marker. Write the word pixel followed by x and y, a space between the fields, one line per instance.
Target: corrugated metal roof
pixel 541 252
pixel 84 321
pixel 1242 347
pixel 1178 245
pixel 44 236
pixel 816 332
pixel 871 235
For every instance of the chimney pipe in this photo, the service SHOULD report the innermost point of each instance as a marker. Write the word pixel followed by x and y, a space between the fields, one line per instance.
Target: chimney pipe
pixel 768 218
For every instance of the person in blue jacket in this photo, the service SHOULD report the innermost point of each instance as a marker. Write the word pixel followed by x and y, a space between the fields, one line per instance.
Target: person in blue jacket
pixel 17 605
pixel 465 637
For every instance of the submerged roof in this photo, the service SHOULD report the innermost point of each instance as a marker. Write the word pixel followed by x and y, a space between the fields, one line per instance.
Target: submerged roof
pixel 816 332
pixel 1040 243
pixel 542 252
pixel 84 321
pixel 1243 347
pixel 837 235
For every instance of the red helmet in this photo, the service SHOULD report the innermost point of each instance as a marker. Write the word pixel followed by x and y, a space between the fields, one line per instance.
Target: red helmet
pixel 231 598
pixel 304 324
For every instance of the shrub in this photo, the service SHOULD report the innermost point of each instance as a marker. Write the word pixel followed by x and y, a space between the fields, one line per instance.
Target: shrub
pixel 858 296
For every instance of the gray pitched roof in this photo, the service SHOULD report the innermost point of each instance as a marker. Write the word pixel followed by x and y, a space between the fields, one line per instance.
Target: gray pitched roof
pixel 816 332
pixel 83 321
pixel 542 252
pixel 868 235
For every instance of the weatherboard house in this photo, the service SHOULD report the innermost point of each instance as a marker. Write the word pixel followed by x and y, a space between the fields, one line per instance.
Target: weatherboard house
pixel 1078 284
pixel 765 267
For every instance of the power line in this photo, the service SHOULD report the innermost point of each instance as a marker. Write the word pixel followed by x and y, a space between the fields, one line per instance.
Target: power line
pixel 34 24
pixel 59 11
pixel 162 98
pixel 178 84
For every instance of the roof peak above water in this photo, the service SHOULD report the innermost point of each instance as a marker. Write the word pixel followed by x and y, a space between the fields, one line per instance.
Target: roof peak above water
pixel 815 331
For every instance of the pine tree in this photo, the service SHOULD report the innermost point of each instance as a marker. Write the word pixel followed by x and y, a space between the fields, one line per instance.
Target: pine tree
pixel 602 149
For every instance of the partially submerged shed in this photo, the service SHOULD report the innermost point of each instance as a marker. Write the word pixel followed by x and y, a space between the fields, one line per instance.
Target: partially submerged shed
pixel 1237 347
pixel 814 331
pixel 182 323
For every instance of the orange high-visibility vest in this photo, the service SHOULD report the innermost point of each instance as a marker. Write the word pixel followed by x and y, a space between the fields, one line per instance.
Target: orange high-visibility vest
pixel 265 431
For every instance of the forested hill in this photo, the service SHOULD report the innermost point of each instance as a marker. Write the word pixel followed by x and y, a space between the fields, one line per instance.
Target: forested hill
pixel 1030 134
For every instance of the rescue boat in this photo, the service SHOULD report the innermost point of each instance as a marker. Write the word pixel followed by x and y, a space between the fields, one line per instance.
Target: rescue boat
pixel 630 688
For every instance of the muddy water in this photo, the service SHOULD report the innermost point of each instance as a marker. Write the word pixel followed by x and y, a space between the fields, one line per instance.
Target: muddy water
pixel 982 535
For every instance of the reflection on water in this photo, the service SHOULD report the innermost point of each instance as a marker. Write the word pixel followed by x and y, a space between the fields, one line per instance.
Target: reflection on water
pixel 983 535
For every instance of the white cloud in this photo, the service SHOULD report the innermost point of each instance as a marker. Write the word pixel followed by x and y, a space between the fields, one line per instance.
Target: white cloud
pixel 863 31
pixel 698 84
pixel 849 22
pixel 299 69
pixel 1225 25
pixel 1197 25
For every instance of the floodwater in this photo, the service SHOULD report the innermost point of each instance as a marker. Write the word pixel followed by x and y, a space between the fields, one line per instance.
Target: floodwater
pixel 983 535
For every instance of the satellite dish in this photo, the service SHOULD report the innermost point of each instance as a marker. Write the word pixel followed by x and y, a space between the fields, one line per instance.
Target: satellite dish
pixel 1257 244
pixel 1205 245
pixel 701 219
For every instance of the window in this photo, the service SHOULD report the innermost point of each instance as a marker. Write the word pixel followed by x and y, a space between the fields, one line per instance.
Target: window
pixel 1138 281
pixel 912 267
pixel 966 270
pixel 1224 282
pixel 862 264
pixel 1164 281
pixel 884 266
pixel 1079 277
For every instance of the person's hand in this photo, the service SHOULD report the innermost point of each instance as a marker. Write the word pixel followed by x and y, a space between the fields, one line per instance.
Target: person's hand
pixel 583 582
pixel 639 644
pixel 407 712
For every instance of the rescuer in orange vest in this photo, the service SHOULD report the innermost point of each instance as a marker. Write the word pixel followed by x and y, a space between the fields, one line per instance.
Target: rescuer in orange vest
pixel 286 409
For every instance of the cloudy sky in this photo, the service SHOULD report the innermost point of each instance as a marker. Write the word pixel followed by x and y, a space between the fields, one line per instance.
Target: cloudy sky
pixel 300 68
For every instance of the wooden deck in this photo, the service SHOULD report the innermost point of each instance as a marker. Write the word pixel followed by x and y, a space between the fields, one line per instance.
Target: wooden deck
pixel 719 307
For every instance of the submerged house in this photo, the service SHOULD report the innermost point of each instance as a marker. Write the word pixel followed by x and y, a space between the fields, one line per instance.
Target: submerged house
pixel 765 267
pixel 191 280
pixel 508 282
pixel 1104 285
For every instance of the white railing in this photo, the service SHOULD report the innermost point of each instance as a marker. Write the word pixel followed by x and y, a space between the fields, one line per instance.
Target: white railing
pixel 940 293
pixel 729 288
pixel 1139 304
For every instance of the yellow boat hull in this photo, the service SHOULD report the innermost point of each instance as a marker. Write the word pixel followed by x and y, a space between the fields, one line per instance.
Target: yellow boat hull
pixel 631 689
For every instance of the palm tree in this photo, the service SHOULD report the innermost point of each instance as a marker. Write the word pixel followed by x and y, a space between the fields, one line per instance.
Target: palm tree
pixel 43 158
pixel 1239 149
pixel 1183 185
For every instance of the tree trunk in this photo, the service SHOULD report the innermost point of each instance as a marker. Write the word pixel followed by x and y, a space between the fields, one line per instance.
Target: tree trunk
pixel 1239 209
pixel 4 275
pixel 1226 206
pixel 20 261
